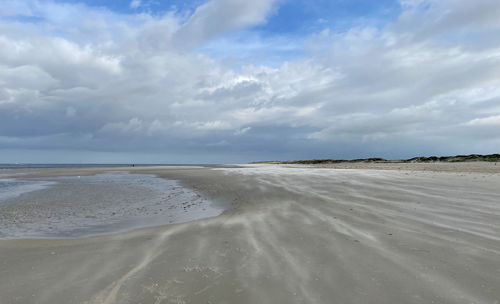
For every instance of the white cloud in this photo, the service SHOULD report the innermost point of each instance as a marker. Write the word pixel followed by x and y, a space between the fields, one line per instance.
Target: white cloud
pixel 242 131
pixel 135 4
pixel 218 17
pixel 485 121
pixel 213 125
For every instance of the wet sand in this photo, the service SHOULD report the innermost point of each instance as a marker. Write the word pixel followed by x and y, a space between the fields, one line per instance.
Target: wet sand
pixel 290 235
pixel 109 202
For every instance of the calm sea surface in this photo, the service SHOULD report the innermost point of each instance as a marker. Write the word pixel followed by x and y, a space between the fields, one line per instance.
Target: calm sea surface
pixel 56 166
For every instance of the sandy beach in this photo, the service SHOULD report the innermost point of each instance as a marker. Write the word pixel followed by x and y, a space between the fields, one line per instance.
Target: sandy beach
pixel 350 233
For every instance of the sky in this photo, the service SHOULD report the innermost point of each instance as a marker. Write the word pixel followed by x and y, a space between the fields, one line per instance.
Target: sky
pixel 234 81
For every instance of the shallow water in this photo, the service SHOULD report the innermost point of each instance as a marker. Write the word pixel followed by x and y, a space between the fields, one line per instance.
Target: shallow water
pixel 88 205
pixel 10 188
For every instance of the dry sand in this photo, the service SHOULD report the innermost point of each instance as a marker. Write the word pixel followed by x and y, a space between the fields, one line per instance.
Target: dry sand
pixel 465 167
pixel 292 235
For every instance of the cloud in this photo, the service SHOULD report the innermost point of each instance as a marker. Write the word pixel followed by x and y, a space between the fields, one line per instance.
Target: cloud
pixel 83 78
pixel 486 121
pixel 126 128
pixel 217 17
pixel 242 131
pixel 134 4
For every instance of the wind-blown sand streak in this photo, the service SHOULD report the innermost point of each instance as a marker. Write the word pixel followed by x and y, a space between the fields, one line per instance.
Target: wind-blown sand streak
pixel 292 235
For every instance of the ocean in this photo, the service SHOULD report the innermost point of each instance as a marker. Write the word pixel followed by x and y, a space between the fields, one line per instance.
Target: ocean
pixel 57 166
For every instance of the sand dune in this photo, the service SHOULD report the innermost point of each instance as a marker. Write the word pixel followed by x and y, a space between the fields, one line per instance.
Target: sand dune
pixel 292 235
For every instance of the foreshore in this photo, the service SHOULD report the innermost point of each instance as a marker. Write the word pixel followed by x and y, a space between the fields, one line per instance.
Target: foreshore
pixel 461 167
pixel 342 233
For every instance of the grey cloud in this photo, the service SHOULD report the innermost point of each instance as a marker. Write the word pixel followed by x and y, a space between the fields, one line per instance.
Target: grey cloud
pixel 121 83
pixel 447 17
pixel 217 17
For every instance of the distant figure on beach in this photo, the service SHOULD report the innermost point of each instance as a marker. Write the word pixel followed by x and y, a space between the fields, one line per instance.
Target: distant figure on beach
pixel 133 165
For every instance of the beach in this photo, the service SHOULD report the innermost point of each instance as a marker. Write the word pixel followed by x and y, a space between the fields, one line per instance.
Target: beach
pixel 346 233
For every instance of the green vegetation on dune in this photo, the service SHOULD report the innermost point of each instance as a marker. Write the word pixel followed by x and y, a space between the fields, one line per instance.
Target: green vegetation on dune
pixel 323 161
pixel 457 158
pixel 419 159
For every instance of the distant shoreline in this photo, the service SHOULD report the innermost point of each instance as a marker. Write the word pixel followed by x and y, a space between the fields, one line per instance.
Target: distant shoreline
pixel 418 159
